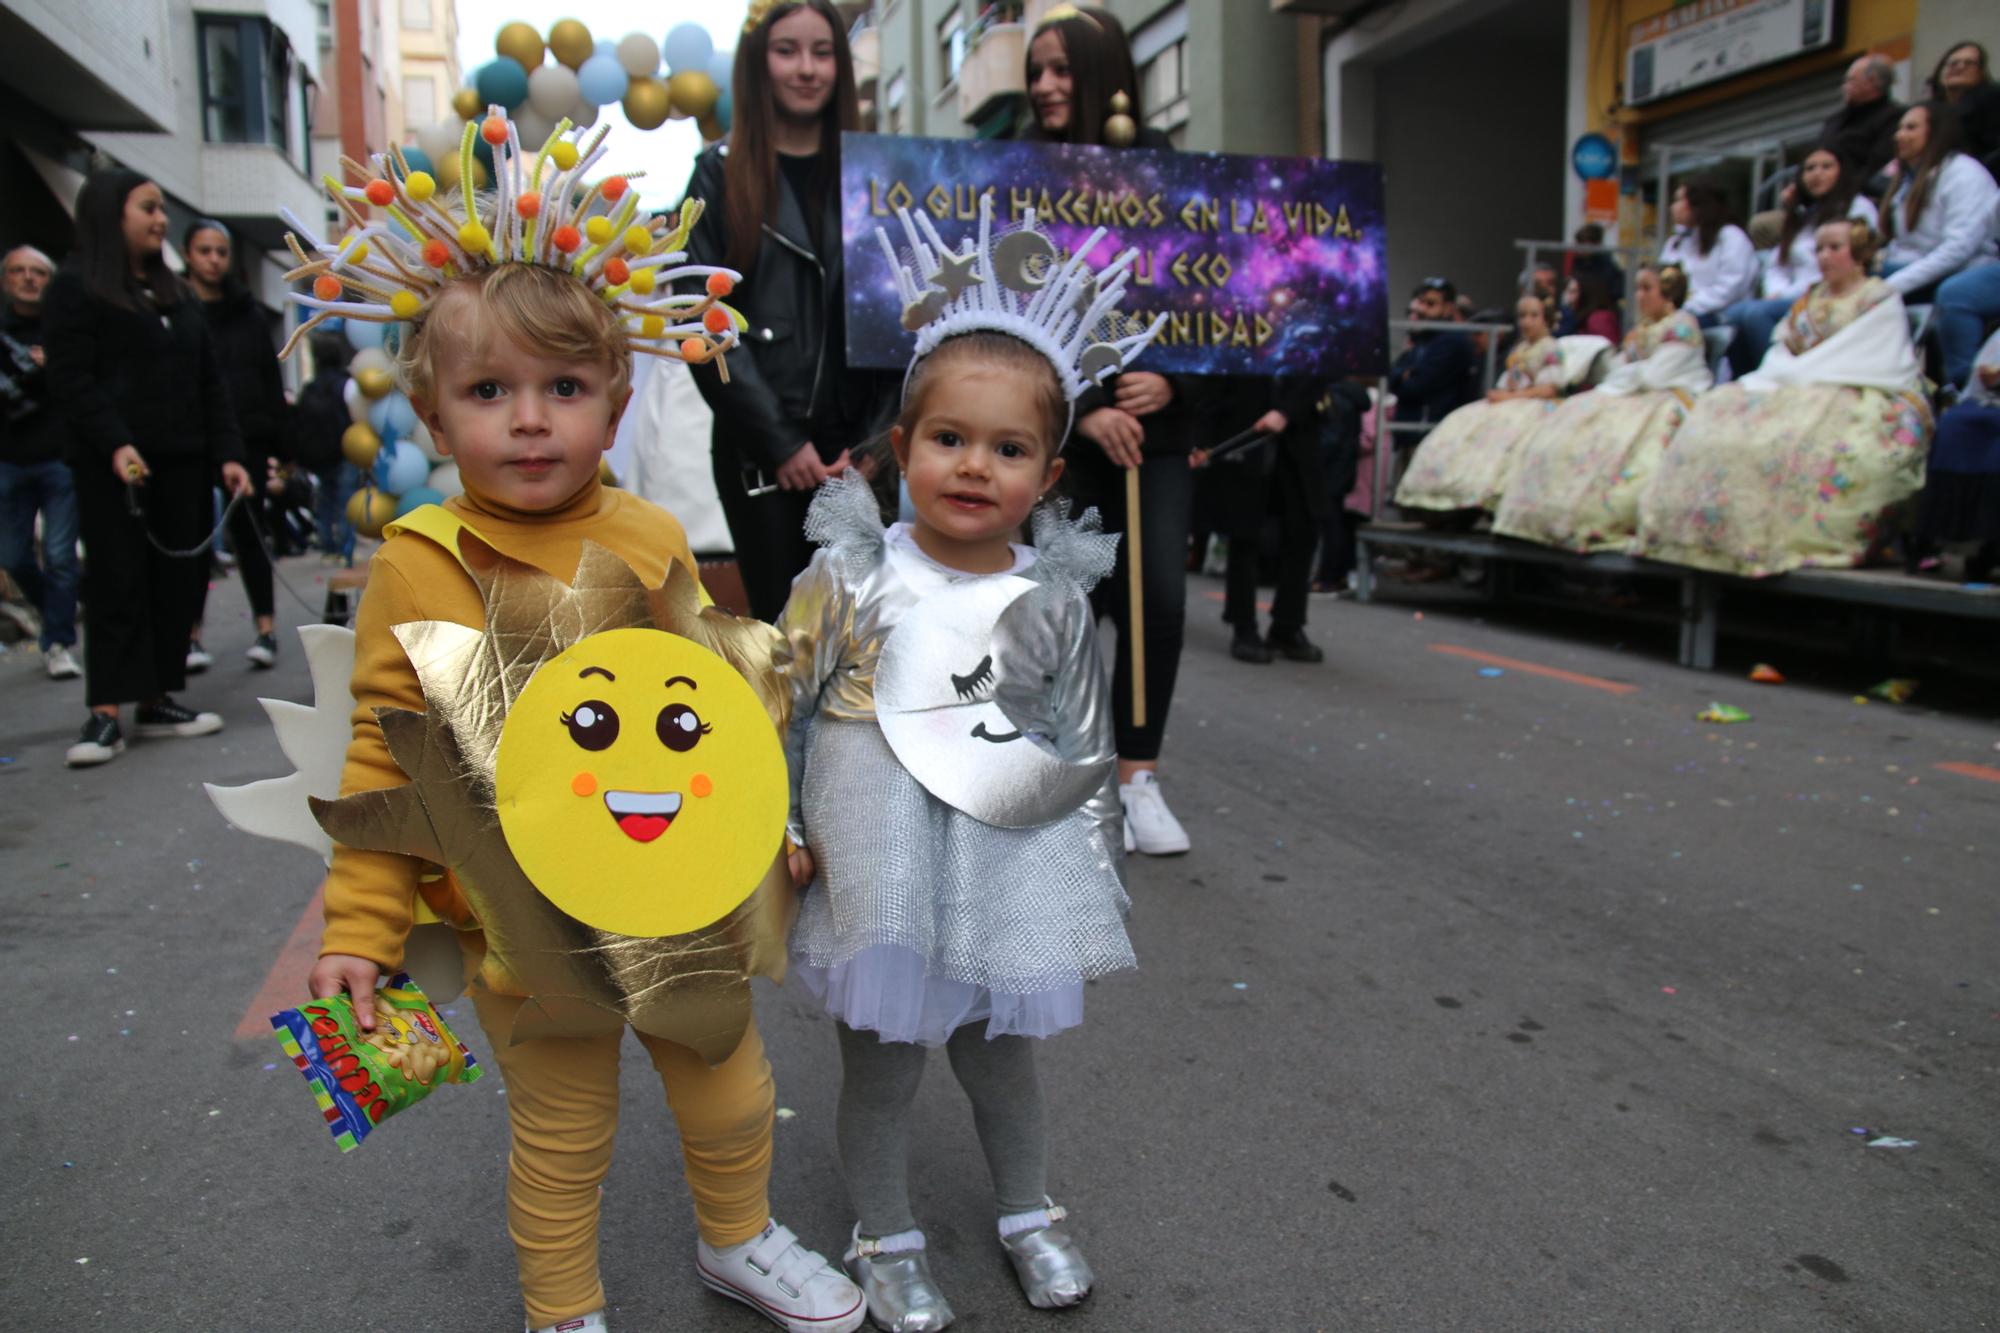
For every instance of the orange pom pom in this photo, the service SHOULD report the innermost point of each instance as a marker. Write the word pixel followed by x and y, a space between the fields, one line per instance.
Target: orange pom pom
pixel 720 285
pixel 567 239
pixel 380 193
pixel 327 287
pixel 494 131
pixel 613 188
pixel 528 205
pixel 694 350
pixel 436 253
pixel 716 320
pixel 617 272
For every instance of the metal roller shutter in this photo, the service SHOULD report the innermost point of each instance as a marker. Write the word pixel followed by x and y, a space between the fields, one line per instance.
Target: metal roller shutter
pixel 1790 114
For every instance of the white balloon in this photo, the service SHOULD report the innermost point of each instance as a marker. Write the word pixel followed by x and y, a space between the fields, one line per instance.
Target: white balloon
pixel 584 114
pixel 639 54
pixel 370 358
pixel 533 127
pixel 441 140
pixel 444 480
pixel 551 90
pixel 357 401
pixel 421 437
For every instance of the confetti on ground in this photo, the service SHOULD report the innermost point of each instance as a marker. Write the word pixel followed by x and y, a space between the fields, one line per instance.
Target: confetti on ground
pixel 1891 1141
pixel 786 1113
pixel 1491 671
pixel 1670 990
pixel 1239 985
pixel 1721 712
pixel 1895 690
pixel 1766 674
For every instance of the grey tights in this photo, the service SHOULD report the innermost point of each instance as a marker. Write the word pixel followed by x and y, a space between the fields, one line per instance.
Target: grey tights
pixel 878 1083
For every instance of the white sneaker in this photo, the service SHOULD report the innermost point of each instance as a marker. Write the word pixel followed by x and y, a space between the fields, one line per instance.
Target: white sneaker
pixel 792 1286
pixel 198 659
pixel 60 665
pixel 1149 825
pixel 583 1323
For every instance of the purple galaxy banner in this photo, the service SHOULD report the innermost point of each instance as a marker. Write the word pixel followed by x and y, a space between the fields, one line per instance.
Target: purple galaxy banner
pixel 1263 265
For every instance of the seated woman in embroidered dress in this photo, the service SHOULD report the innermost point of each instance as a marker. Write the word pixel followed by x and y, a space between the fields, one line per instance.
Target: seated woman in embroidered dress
pixel 1575 482
pixel 1810 461
pixel 1463 463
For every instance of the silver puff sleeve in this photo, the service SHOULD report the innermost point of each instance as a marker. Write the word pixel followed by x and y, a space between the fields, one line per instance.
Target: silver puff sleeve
pixel 1055 690
pixel 814 625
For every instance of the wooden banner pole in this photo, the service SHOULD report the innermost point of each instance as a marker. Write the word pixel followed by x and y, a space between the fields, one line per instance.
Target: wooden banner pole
pixel 1135 624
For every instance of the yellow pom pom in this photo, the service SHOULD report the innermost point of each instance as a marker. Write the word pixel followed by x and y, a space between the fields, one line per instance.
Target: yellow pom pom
pixel 357 253
pixel 563 154
pixel 652 326
pixel 405 305
pixel 475 238
pixel 598 229
pixel 643 281
pixel 638 240
pixel 420 185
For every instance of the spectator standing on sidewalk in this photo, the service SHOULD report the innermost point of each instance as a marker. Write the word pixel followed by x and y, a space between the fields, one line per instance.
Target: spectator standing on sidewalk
pixel 249 357
pixel 1079 67
pixel 33 477
pixel 132 367
pixel 1863 131
pixel 319 421
pixel 1285 479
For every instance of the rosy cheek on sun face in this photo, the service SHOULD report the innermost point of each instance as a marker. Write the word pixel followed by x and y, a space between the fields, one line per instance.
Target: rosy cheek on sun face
pixel 584 784
pixel 701 785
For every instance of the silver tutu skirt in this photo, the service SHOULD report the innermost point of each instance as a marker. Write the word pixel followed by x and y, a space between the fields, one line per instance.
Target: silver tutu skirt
pixel 923 919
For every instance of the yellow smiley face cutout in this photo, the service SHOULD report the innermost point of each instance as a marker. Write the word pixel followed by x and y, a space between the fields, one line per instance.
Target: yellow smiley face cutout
pixel 640 784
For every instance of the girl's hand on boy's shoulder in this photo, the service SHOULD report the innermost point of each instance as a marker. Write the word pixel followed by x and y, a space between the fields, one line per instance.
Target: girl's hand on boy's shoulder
pixel 337 972
pixel 800 861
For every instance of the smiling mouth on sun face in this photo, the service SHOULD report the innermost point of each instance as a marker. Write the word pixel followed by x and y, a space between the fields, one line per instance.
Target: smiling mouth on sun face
pixel 643 815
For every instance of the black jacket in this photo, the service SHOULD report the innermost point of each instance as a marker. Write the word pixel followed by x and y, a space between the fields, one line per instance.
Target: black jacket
pixel 146 378
pixel 1864 136
pixel 1979 116
pixel 250 366
pixel 788 382
pixel 1434 377
pixel 30 431
pixel 1240 483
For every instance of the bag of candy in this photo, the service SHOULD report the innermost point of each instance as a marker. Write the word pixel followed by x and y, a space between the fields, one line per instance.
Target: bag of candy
pixel 362 1078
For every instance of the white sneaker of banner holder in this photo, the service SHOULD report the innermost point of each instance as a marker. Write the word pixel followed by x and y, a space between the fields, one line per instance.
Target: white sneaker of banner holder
pixel 1151 827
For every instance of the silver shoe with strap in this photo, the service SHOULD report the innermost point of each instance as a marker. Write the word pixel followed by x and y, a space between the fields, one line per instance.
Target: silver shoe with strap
pixel 1052 1270
pixel 902 1296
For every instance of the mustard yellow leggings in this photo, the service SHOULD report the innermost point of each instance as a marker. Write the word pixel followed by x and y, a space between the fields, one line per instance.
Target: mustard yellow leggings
pixel 562 1102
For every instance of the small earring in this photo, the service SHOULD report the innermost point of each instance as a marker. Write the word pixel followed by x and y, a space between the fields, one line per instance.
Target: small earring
pixel 1120 130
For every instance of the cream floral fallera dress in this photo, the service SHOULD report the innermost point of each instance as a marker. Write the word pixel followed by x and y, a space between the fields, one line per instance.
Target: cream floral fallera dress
pixel 1576 480
pixel 1809 462
pixel 1463 464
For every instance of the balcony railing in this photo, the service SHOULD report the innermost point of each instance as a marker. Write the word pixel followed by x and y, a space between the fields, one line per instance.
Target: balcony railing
pixel 993 71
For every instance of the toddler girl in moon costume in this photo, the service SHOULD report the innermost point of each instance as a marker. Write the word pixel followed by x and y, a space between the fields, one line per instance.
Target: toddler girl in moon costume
pixel 951 749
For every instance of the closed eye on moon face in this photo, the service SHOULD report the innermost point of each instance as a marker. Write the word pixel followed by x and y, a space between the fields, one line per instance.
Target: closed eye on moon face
pixel 974 681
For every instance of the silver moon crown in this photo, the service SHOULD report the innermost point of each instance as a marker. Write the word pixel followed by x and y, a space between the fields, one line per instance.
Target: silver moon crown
pixel 1018 285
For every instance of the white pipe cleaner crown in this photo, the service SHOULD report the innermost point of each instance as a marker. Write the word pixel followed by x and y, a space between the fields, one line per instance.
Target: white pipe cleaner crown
pixel 1018 284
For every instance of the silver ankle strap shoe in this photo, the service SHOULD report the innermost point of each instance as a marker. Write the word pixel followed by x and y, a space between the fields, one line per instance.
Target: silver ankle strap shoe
pixel 1052 1270
pixel 901 1294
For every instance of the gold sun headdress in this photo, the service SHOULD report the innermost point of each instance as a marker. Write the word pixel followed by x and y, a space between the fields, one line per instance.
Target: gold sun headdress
pixel 538 211
pixel 691 988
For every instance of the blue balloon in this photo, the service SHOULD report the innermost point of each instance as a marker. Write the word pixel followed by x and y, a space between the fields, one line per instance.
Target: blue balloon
pixel 605 46
pixel 416 498
pixel 601 80
pixel 482 152
pixel 363 334
pixel 401 467
pixel 418 159
pixel 392 417
pixel 502 80
pixel 722 68
pixel 688 47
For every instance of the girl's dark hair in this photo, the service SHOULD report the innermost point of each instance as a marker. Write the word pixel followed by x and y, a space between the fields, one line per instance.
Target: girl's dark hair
pixel 1710 209
pixel 1100 64
pixel 994 349
pixel 1937 72
pixel 1807 214
pixel 1673 281
pixel 750 169
pixel 1946 137
pixel 101 254
pixel 1593 293
pixel 231 284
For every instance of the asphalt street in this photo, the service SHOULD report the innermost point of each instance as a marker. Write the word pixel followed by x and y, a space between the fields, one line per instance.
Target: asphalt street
pixel 1498 993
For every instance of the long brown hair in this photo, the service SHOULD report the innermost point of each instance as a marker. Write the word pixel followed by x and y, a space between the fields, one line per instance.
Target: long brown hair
pixel 1943 137
pixel 1807 211
pixel 1100 64
pixel 750 168
pixel 102 256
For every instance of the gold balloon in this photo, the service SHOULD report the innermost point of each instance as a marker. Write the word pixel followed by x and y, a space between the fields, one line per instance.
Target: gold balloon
pixel 375 383
pixel 520 42
pixel 693 93
pixel 570 42
pixel 359 443
pixel 465 102
pixel 711 129
pixel 647 103
pixel 370 510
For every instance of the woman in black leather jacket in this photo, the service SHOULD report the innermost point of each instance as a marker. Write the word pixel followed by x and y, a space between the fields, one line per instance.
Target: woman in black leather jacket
pixel 792 409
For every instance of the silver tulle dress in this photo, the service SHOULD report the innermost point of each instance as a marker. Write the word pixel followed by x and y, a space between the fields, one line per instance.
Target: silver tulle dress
pixel 925 917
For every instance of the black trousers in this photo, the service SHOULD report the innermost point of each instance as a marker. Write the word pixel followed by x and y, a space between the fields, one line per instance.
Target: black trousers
pixel 138 604
pixel 251 562
pixel 769 532
pixel 1166 493
pixel 1297 535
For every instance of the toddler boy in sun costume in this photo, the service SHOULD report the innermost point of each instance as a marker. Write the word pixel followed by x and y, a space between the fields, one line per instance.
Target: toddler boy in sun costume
pixel 519 723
